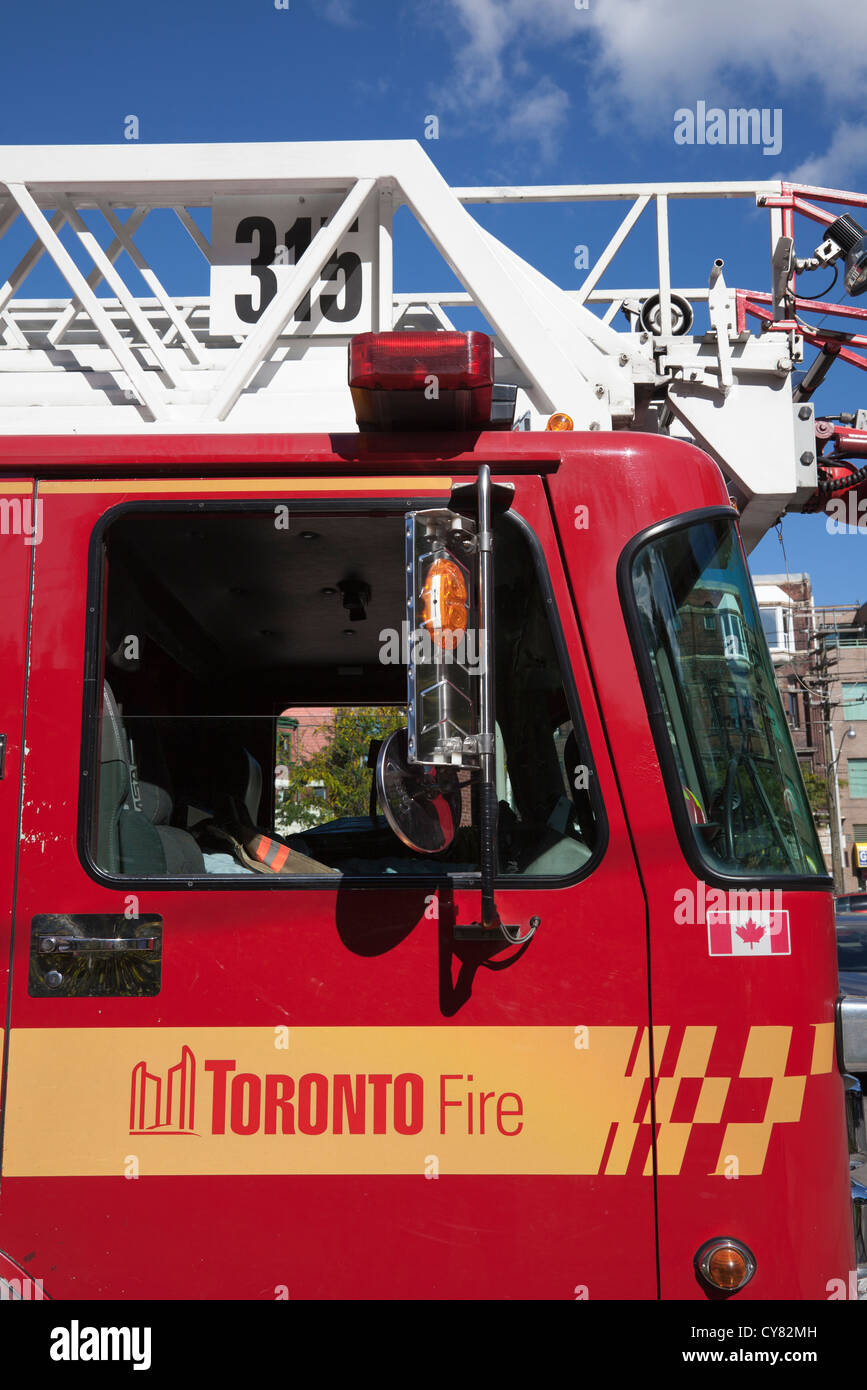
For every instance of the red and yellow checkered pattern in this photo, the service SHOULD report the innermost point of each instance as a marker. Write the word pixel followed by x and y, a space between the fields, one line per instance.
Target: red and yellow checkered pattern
pixel 698 1096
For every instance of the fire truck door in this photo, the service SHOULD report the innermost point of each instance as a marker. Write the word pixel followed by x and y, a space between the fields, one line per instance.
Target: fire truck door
pixel 249 1051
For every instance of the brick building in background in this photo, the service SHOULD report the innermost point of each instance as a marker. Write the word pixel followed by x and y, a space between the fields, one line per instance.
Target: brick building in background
pixel 787 613
pixel 841 662
pixel 301 731
pixel 820 659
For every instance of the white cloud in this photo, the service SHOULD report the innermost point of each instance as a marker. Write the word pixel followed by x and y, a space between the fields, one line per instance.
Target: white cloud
pixel 494 81
pixel 840 164
pixel 539 116
pixel 656 57
pixel 651 56
pixel 498 34
pixel 654 48
pixel 340 12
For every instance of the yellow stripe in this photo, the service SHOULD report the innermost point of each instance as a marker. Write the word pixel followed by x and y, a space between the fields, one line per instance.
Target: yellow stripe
pixel 711 1100
pixel 823 1049
pixel 276 486
pixel 71 1091
pixel 14 489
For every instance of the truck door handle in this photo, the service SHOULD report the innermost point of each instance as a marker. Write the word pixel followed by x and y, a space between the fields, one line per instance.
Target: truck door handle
pixel 94 945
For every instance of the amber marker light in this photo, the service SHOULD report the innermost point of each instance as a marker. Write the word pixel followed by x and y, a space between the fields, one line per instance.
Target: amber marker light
pixel 725 1264
pixel 560 421
pixel 444 603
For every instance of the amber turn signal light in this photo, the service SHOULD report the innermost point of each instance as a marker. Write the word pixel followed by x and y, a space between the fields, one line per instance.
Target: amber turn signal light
pixel 444 603
pixel 560 421
pixel 725 1264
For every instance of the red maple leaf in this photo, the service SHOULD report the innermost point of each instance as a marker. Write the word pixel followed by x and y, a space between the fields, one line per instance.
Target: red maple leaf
pixel 750 932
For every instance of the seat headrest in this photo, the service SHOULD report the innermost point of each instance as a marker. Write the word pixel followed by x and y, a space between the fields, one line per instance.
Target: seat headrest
pixel 113 743
pixel 154 802
pixel 238 775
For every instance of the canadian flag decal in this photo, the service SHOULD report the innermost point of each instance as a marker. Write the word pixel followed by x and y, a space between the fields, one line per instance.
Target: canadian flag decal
pixel 748 933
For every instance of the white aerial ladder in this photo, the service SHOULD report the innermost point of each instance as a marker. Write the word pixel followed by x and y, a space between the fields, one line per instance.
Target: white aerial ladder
pixel 299 243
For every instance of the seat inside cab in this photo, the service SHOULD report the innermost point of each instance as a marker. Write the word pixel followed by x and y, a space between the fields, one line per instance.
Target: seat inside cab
pixel 252 661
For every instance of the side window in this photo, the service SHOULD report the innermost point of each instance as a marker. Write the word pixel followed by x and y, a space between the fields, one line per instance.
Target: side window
pixel 247 676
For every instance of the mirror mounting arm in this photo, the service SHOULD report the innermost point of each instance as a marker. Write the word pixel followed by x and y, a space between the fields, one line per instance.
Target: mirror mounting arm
pixel 487 751
pixel 488 805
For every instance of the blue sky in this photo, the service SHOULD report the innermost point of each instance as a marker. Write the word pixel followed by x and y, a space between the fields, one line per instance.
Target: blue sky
pixel 524 90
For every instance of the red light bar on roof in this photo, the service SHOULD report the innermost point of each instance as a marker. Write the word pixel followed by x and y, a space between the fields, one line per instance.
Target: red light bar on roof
pixel 416 381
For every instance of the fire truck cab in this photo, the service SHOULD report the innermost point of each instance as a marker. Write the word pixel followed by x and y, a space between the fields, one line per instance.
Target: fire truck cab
pixel 552 1013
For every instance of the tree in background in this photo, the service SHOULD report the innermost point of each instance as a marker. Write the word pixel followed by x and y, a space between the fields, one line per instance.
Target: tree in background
pixel 817 793
pixel 335 780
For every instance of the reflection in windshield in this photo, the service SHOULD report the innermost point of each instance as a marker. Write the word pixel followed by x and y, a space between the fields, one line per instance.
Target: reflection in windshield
pixel 740 779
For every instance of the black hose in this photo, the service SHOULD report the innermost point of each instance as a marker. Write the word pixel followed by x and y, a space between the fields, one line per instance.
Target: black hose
pixel 842 484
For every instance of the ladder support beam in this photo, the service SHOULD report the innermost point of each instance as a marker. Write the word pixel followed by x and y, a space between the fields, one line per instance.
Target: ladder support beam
pixel 106 269
pixel 51 242
pixel 594 275
pixel 124 236
pixel 73 309
pixel 27 262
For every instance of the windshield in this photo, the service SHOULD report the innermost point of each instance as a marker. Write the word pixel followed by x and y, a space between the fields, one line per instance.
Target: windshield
pixel 738 773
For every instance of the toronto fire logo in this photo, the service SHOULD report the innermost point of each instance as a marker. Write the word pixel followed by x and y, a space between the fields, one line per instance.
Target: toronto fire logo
pixel 164 1105
pixel 704 1089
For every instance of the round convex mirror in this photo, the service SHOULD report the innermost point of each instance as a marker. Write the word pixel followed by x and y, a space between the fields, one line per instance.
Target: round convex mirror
pixel 421 803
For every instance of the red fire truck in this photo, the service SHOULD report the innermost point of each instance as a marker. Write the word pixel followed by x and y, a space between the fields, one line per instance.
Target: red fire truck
pixel 555 1013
